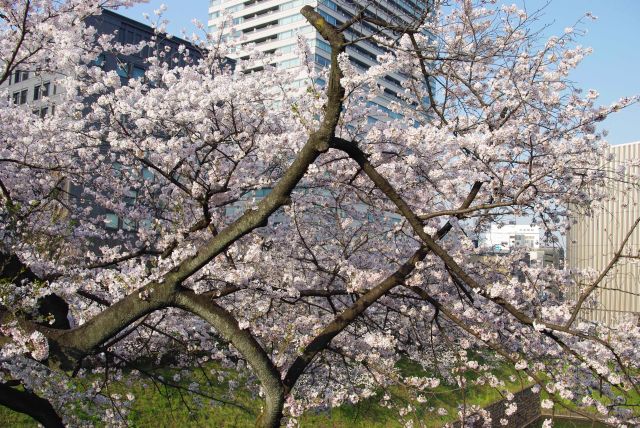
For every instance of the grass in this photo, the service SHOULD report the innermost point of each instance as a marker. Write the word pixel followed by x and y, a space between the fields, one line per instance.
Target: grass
pixel 157 406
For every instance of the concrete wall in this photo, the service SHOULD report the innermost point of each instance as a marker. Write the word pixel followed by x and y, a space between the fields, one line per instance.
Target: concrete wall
pixel 592 241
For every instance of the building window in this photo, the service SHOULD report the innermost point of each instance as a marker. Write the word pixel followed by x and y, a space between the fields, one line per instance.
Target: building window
pixel 123 70
pixel 19 76
pixel 289 19
pixel 321 44
pixel 129 225
pixel 289 5
pixel 261 193
pixel 41 91
pixel 128 70
pixel 285 35
pixel 286 49
pixel 42 112
pixel 331 5
pixel 130 197
pixel 20 97
pixel 235 8
pixel 289 63
pixel 114 222
pixel 136 72
pixel 320 60
pixel 111 221
pixel 100 61
pixel 147 174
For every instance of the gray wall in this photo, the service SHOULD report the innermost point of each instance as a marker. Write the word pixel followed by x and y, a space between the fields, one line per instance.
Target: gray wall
pixel 593 241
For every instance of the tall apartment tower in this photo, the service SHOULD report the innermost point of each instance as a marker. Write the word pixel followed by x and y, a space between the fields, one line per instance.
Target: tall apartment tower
pixel 593 241
pixel 273 26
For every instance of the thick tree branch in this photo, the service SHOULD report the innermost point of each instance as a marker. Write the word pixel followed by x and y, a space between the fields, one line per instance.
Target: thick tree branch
pixel 13 270
pixel 227 326
pixel 159 295
pixel 153 296
pixel 30 404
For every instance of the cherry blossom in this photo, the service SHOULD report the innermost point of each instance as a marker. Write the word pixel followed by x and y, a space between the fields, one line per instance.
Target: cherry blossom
pixel 290 231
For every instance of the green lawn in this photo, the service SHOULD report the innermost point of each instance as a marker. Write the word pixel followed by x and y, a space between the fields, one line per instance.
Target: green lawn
pixel 157 406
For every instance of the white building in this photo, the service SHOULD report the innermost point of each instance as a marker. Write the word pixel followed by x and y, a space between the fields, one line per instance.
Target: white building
pixel 272 26
pixel 502 239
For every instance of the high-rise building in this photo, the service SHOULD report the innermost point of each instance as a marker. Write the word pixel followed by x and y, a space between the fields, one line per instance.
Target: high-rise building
pixel 272 26
pixel 592 241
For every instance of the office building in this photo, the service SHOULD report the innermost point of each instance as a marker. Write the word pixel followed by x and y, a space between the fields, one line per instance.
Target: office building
pixel 39 92
pixel 502 239
pixel 592 241
pixel 546 257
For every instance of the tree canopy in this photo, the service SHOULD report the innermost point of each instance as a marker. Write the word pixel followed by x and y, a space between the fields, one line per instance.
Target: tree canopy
pixel 298 231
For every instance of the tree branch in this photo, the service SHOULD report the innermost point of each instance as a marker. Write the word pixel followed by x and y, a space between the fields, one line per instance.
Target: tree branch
pixel 344 319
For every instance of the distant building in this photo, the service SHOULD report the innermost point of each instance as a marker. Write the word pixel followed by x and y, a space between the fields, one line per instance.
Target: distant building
pixel 547 257
pixel 592 241
pixel 501 240
pixel 38 89
pixel 505 238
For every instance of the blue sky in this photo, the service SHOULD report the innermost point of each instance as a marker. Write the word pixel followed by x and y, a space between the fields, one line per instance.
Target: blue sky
pixel 613 69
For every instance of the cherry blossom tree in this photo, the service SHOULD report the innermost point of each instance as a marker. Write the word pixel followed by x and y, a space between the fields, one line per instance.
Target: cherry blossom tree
pixel 287 233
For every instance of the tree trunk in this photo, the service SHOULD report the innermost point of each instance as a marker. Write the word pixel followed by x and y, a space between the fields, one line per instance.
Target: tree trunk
pixel 271 415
